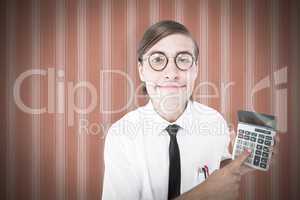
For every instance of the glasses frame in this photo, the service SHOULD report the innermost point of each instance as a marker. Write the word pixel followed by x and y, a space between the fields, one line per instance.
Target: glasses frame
pixel 174 60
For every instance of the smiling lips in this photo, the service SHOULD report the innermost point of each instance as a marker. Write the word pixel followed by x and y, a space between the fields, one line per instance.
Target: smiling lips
pixel 171 86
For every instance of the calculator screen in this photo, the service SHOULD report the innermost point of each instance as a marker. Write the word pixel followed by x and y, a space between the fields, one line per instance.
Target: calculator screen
pixel 257 119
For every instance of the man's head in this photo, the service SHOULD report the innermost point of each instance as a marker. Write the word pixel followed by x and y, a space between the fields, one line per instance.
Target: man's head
pixel 167 62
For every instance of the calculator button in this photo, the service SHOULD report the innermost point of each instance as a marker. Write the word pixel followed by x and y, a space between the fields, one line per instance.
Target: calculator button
pixel 254 134
pixel 264 154
pixel 256 160
pixel 247 133
pixel 245 143
pixel 261 136
pixel 268 143
pixel 240 135
pixel 252 145
pixel 268 137
pixel 263 165
pixel 266 149
pixel 264 160
pixel 246 137
pixel 258 152
pixel 260 141
pixel 241 131
pixel 259 146
pixel 249 160
pixel 253 139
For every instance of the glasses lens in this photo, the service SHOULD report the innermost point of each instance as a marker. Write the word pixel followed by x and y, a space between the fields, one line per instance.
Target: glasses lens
pixel 158 61
pixel 184 61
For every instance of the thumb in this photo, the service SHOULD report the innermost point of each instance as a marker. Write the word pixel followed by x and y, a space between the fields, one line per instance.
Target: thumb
pixel 240 159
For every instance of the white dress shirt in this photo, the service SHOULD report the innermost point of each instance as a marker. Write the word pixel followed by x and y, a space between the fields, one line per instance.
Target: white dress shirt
pixel 136 152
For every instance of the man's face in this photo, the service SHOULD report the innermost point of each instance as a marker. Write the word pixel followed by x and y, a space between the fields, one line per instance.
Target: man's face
pixel 171 84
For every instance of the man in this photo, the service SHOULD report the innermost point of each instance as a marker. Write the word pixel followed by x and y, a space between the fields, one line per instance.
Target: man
pixel 173 146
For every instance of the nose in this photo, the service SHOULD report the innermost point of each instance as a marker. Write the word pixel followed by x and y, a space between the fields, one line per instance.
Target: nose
pixel 171 71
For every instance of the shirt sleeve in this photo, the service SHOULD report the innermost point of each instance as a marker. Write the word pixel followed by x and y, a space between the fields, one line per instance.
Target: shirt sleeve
pixel 120 178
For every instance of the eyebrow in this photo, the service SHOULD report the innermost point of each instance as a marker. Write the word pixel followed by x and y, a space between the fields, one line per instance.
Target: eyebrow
pixel 177 52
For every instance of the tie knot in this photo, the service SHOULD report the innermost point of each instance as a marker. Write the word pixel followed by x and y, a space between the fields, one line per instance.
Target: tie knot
pixel 172 129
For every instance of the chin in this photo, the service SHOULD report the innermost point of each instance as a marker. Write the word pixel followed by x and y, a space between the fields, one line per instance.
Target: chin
pixel 168 94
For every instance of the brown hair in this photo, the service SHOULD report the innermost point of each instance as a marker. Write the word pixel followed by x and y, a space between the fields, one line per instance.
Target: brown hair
pixel 158 31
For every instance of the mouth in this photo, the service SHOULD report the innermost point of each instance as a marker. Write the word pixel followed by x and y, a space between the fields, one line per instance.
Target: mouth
pixel 171 86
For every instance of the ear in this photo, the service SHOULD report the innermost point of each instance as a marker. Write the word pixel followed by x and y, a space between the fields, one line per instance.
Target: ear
pixel 141 71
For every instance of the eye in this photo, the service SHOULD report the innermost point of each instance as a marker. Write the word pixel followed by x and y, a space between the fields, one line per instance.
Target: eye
pixel 157 58
pixel 184 58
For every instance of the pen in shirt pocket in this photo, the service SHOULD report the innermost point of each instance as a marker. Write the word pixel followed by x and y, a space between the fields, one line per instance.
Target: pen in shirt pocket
pixel 203 170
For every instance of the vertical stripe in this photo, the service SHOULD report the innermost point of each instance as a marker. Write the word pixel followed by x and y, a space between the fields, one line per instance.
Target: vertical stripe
pixel 295 95
pixel 214 54
pixel 10 112
pixel 105 80
pixel 36 101
pixel 275 170
pixel 237 59
pixel 71 76
pixel 250 62
pixel 225 58
pixel 95 127
pixel 204 37
pixel 131 50
pixel 60 155
pixel 179 11
pixel 81 76
pixel 154 11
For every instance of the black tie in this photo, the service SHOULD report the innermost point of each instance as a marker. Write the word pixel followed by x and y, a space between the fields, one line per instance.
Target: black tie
pixel 174 168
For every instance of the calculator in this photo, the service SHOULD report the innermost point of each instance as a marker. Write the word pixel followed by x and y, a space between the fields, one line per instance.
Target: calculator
pixel 256 132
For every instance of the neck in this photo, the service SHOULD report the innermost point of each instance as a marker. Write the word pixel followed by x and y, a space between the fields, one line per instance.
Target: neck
pixel 170 111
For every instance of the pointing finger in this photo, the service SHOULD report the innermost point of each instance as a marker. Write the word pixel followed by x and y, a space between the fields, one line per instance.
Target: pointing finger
pixel 240 159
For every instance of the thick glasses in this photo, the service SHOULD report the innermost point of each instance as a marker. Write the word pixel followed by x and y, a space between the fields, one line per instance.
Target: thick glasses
pixel 158 60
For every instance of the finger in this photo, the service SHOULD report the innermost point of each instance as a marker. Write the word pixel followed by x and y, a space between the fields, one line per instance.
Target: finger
pixel 240 159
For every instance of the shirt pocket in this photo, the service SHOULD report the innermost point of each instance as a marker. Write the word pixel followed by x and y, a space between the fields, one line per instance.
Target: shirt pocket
pixel 200 174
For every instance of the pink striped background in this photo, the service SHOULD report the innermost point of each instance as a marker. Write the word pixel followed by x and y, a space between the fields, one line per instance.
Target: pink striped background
pixel 48 156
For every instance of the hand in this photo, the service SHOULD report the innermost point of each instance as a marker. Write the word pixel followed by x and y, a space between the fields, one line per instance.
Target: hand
pixel 224 183
pixel 244 168
pixel 274 149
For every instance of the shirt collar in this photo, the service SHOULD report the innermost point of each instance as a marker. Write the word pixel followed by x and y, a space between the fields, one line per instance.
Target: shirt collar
pixel 161 124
